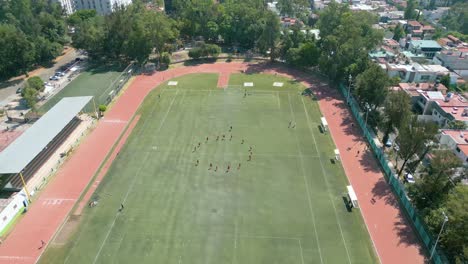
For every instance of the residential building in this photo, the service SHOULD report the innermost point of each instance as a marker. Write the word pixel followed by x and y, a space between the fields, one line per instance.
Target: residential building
pixel 413 57
pixel 427 47
pixel 457 142
pixel 388 16
pixel 415 28
pixel 272 6
pixel 455 60
pixel 415 72
pixel 433 103
pixel 393 44
pixel 435 15
pixel 102 7
pixel 446 42
pixel 454 39
pixel 427 3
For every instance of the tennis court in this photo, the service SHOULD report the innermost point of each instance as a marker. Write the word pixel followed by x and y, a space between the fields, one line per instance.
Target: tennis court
pixel 263 191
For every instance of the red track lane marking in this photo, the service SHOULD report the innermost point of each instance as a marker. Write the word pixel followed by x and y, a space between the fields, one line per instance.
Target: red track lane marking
pixel 394 240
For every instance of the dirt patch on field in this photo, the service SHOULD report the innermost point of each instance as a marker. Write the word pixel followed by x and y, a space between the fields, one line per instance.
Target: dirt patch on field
pixel 67 230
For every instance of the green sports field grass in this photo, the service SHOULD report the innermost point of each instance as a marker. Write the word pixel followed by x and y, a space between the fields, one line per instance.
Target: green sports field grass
pixel 284 206
pixel 92 82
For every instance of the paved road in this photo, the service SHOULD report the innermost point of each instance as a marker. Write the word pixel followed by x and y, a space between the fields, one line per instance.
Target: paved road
pixel 8 93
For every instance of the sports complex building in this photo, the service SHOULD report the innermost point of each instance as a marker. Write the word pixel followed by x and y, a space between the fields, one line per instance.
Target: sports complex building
pixel 20 161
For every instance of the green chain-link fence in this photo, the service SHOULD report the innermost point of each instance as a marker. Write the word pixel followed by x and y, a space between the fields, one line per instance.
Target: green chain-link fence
pixel 397 187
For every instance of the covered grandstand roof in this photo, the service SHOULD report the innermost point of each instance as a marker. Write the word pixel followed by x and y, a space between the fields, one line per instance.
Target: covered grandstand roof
pixel 26 147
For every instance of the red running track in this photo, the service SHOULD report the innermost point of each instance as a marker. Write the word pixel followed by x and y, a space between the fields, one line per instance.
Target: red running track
pixel 394 240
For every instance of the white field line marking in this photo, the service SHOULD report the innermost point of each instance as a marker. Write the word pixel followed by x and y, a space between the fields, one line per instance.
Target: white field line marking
pixel 277 96
pixel 234 255
pixel 89 218
pixel 306 184
pixel 267 237
pixel 326 182
pixel 302 254
pixel 133 182
pixel 258 155
pixel 239 91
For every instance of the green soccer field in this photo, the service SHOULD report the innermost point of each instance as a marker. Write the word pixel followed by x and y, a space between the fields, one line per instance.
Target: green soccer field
pixel 95 82
pixel 285 205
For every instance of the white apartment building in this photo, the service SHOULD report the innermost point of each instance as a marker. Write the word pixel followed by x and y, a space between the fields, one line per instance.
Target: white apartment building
pixel 102 7
pixel 67 5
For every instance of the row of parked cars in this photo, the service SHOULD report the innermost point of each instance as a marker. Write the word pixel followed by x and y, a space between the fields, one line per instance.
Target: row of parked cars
pixel 61 72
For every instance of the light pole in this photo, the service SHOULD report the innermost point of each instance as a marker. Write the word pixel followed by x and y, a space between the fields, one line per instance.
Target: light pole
pixel 349 88
pixel 441 229
pixel 367 114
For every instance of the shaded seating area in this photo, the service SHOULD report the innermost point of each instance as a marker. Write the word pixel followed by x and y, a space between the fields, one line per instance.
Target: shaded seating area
pixel 25 156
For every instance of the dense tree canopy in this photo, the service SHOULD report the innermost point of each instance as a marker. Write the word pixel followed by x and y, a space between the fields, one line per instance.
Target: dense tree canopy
pixel 397 107
pixel 372 86
pixel 457 18
pixel 414 138
pixel 31 32
pixel 131 33
pixel 432 189
pixel 346 39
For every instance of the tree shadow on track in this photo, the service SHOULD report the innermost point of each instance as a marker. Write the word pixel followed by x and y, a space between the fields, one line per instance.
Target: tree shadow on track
pixel 406 234
pixel 382 192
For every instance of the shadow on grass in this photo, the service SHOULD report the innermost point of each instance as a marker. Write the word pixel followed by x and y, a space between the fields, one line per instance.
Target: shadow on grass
pixel 97 68
pixel 347 204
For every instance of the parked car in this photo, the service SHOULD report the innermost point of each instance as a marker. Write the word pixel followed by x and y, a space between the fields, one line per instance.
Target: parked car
pixel 389 143
pixel 409 178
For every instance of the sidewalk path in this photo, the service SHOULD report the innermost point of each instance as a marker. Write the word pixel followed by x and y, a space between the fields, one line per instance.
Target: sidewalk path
pixel 393 238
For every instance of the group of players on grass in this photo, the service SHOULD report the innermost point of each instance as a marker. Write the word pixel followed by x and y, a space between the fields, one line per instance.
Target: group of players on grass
pixel 223 137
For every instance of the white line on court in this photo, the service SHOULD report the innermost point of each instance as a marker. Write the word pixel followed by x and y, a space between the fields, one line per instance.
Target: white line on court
pixel 306 184
pixel 326 182
pixel 133 182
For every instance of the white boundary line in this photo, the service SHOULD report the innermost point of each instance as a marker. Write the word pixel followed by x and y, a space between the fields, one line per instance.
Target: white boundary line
pixel 306 184
pixel 326 182
pixel 300 247
pixel 277 96
pixel 132 184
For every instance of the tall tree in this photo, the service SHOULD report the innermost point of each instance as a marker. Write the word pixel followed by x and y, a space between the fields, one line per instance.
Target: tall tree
pixel 268 41
pixel 457 18
pixel 398 32
pixel 346 39
pixel 138 45
pixel 455 239
pixel 432 190
pixel 293 8
pixel 410 12
pixel 16 52
pixel 372 86
pixel 414 137
pixel 397 107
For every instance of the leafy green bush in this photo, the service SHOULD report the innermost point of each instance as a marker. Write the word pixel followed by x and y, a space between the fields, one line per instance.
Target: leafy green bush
pixel 165 58
pixel 195 53
pixel 35 83
pixel 102 108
